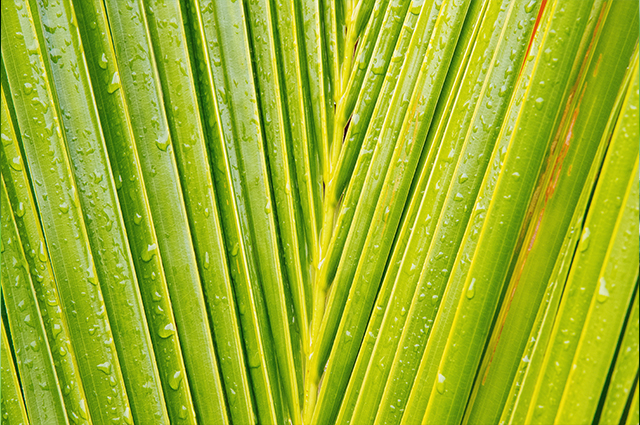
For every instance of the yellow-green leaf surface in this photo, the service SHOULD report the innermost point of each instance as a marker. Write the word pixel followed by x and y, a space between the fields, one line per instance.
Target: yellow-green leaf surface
pixel 140 82
pixel 317 212
pixel 100 207
pixel 626 369
pixel 125 166
pixel 58 203
pixel 38 378
pixel 30 232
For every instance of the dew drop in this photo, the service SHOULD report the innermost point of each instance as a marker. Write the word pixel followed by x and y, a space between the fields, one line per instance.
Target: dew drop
pixel 584 240
pixel 114 84
pixel 603 292
pixel 529 6
pixel 175 380
pixel 127 416
pixel 137 218
pixel 16 164
pixel 471 291
pixel 103 61
pixel 104 367
pixel 440 383
pixel 148 253
pixel 166 331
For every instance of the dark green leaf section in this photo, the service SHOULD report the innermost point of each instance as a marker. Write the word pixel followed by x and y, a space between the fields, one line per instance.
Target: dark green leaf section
pixel 138 220
pixel 64 228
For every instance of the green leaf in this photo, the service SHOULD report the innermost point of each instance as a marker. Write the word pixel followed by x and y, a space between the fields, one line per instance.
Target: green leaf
pixel 237 99
pixel 385 189
pixel 38 378
pixel 64 228
pixel 575 147
pixel 30 232
pixel 625 370
pixel 100 206
pixel 583 283
pixel 125 167
pixel 13 409
pixel 153 141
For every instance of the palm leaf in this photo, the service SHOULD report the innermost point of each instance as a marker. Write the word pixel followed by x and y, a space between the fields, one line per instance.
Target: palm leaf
pixel 37 373
pixel 20 200
pixel 142 89
pixel 626 368
pixel 58 203
pixel 13 409
pixel 125 166
pixel 351 211
pixel 104 223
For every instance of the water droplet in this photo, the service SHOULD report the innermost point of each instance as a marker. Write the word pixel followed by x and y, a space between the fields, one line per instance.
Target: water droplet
pixel 584 240
pixel 42 255
pixel 64 207
pixel 163 142
pixel 471 291
pixel 235 249
pixel 114 84
pixel 16 164
pixel 529 6
pixel 463 178
pixel 29 321
pixel 148 254
pixel 127 416
pixel 137 218
pixel 183 412
pixel 538 103
pixel 56 329
pixel 459 197
pixel 440 383
pixel 92 275
pixel 267 208
pixel 206 260
pixel 104 367
pixel 434 299
pixel 103 61
pixel 83 408
pixel 55 54
pixel 20 209
pixel 166 331
pixel 603 292
pixel 175 380
pixel 28 88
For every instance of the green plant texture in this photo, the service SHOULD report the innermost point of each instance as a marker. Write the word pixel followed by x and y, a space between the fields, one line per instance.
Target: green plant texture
pixel 319 212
